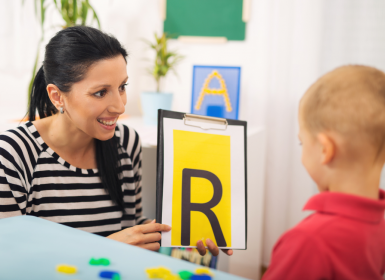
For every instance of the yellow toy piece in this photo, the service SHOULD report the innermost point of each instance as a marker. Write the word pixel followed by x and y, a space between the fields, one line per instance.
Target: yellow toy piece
pixel 206 271
pixel 217 91
pixel 65 268
pixel 158 272
pixel 172 277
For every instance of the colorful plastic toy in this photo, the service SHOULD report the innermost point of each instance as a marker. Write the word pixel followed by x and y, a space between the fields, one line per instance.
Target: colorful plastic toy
pixel 200 277
pixel 101 261
pixel 109 275
pixel 65 268
pixel 205 271
pixel 158 272
pixel 185 274
pixel 171 277
pixel 116 277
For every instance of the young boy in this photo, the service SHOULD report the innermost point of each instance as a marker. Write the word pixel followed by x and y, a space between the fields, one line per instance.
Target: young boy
pixel 342 130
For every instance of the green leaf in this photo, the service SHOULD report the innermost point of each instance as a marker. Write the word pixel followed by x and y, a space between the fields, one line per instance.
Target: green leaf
pixel 35 4
pixel 74 11
pixel 66 12
pixel 65 7
pixel 42 13
pixel 165 60
pixel 95 16
pixel 84 13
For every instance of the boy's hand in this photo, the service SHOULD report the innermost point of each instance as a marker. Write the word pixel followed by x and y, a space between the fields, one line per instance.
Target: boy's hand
pixel 214 250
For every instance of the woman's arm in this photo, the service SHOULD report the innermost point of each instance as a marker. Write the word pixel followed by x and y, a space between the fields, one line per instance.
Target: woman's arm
pixel 13 196
pixel 13 190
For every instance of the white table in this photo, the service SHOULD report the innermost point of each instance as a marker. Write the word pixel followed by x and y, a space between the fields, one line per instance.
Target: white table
pixel 32 247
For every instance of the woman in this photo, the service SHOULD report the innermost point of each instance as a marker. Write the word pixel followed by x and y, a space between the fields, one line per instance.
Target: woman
pixel 75 165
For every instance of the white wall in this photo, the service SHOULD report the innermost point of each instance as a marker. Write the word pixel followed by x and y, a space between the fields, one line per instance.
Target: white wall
pixel 295 29
pixel 353 33
pixel 310 38
pixel 18 40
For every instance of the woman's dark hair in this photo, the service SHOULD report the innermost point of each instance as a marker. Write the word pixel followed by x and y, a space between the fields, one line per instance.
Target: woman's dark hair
pixel 68 56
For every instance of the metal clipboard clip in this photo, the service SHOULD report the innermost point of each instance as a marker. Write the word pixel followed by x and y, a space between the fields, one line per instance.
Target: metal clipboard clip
pixel 206 122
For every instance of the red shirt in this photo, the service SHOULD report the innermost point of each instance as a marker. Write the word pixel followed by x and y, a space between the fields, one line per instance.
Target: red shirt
pixel 343 239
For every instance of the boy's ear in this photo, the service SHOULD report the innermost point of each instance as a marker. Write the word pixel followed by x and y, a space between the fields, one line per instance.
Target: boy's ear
pixel 328 147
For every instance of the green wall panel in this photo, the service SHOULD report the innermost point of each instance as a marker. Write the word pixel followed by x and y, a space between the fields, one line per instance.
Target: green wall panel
pixel 214 18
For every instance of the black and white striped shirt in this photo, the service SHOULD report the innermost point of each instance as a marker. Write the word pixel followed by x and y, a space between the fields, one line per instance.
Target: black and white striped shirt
pixel 34 180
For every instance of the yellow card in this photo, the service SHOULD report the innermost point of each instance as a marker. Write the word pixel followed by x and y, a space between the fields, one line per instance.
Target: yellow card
pixel 201 198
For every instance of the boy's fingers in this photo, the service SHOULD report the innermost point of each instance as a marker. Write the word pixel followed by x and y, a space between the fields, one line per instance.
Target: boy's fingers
pixel 228 252
pixel 212 247
pixel 201 248
pixel 152 222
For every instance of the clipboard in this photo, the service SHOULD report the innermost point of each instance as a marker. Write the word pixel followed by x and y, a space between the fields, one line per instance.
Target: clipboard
pixel 201 188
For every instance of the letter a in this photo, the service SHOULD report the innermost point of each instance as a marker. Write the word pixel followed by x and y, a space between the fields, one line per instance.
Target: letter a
pixel 205 208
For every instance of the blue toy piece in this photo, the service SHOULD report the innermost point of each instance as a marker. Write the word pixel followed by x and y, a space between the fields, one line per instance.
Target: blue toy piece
pixel 200 277
pixel 108 274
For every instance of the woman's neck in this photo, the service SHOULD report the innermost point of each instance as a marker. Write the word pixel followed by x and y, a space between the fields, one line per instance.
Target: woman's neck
pixel 62 136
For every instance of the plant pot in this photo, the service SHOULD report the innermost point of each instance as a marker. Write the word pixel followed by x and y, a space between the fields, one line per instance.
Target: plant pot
pixel 151 102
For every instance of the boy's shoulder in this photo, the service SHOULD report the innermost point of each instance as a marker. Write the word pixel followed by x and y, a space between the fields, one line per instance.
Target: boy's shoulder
pixel 313 227
pixel 347 221
pixel 343 230
pixel 317 223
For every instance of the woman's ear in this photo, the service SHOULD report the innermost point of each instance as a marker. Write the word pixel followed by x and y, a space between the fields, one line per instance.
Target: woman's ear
pixel 55 96
pixel 328 147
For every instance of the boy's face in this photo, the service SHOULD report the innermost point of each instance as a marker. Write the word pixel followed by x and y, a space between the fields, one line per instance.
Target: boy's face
pixel 311 155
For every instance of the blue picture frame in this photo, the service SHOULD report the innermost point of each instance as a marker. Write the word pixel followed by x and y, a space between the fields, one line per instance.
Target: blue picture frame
pixel 216 91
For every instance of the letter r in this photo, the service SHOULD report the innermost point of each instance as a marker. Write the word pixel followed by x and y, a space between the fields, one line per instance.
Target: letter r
pixel 205 208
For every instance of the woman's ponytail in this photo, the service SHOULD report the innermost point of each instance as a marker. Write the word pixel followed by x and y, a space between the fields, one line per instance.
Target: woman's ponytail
pixel 106 154
pixel 39 100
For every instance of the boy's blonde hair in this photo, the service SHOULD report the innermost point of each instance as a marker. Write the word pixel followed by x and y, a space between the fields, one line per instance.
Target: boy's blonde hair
pixel 349 100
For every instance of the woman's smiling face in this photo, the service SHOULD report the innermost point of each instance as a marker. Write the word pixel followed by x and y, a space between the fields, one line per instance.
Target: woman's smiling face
pixel 94 104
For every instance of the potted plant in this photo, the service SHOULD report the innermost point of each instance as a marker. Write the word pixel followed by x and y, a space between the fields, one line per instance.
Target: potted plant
pixel 165 61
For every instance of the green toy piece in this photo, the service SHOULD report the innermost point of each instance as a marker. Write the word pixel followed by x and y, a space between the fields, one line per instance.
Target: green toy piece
pixel 101 261
pixel 185 274
pixel 104 262
pixel 94 261
pixel 116 276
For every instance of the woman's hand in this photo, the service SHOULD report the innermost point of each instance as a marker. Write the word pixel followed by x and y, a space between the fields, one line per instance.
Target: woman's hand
pixel 145 236
pixel 214 250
